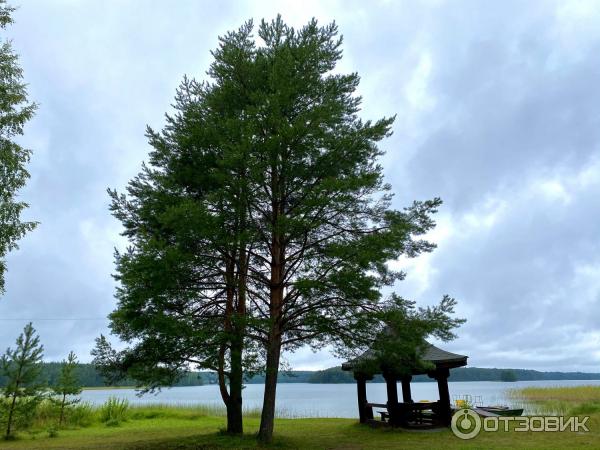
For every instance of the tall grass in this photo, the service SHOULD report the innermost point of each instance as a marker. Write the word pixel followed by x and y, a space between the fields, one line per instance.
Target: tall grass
pixel 571 400
pixel 45 417
pixel 114 411
pixel 574 394
pixel 193 411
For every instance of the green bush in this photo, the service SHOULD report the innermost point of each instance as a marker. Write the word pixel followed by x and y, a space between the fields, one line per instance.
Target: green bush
pixel 114 411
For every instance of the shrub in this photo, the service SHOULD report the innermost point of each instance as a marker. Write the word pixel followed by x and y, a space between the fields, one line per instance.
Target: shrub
pixel 114 411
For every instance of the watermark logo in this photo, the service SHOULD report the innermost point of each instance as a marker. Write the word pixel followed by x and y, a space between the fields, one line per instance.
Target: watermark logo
pixel 466 423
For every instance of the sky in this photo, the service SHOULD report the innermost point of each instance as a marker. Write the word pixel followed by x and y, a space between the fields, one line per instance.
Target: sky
pixel 497 114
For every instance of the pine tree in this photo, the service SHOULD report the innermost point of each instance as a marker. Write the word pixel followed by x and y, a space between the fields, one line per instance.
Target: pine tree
pixel 15 111
pixel 67 385
pixel 262 218
pixel 22 368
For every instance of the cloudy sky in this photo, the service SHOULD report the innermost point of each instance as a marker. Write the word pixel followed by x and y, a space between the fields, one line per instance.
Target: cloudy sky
pixel 498 113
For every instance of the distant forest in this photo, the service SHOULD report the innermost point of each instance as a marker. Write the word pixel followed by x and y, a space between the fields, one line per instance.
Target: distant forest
pixel 89 377
pixel 337 375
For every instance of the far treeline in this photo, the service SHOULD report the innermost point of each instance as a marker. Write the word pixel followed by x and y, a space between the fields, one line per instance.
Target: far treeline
pixel 88 376
pixel 337 375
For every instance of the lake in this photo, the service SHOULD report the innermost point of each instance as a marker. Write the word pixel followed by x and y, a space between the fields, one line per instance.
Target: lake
pixel 323 400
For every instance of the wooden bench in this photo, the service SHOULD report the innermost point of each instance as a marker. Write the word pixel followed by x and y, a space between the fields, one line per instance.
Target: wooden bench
pixel 384 414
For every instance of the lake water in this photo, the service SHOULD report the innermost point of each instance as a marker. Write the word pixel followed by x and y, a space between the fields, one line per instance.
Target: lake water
pixel 323 400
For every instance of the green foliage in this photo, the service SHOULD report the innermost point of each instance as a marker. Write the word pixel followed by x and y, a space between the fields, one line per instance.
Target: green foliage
pixel 398 348
pixel 23 390
pixel 67 386
pixel 67 382
pixel 19 415
pixel 15 111
pixel 114 411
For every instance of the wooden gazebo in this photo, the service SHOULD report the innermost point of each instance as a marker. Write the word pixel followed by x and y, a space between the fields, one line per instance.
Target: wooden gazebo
pixel 407 412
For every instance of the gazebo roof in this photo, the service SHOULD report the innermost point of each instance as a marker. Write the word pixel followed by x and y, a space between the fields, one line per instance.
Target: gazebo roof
pixel 442 359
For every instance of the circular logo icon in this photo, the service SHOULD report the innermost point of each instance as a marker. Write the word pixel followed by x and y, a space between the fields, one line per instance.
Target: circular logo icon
pixel 466 424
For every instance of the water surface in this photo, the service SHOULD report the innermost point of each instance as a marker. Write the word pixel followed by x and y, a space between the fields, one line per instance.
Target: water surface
pixel 324 400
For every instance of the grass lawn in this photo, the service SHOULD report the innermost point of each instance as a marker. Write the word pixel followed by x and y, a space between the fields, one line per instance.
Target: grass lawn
pixel 170 427
pixel 201 433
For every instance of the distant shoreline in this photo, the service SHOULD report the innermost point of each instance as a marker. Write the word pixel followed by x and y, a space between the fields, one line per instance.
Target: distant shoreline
pixel 88 376
pixel 106 388
pixel 110 388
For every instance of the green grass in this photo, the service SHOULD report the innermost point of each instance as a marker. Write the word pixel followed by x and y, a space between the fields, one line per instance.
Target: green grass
pixel 160 427
pixel 170 433
pixel 152 427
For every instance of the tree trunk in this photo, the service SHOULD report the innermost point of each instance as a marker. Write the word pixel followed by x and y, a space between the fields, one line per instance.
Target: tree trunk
pixel 62 410
pixel 233 398
pixel 234 405
pixel 267 418
pixel 10 416
pixel 276 286
pixel 236 378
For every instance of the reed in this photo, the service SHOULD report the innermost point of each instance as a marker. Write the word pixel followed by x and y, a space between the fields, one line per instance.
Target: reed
pixel 570 394
pixel 562 401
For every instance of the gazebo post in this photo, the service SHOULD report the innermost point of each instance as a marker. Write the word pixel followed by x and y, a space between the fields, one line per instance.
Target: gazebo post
pixel 392 397
pixel 406 395
pixel 441 376
pixel 365 413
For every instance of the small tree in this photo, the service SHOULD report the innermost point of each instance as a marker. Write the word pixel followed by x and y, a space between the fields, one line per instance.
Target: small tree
pixel 22 368
pixel 67 385
pixel 15 111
